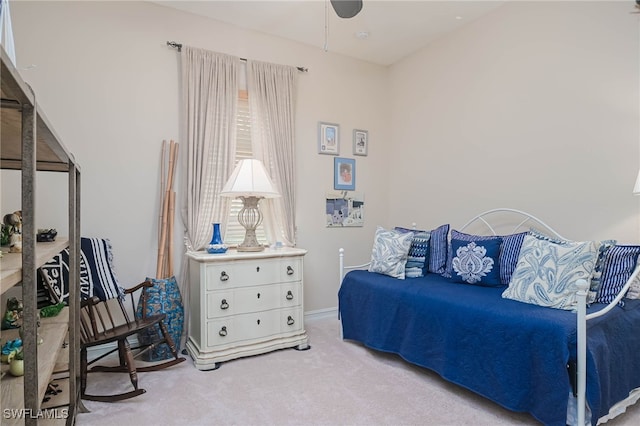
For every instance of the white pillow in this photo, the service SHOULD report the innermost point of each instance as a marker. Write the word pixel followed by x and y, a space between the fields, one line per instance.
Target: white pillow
pixel 389 253
pixel 546 272
pixel 634 288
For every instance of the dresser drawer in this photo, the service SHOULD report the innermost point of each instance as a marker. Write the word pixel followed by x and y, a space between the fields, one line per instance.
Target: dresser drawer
pixel 223 303
pixel 254 272
pixel 259 325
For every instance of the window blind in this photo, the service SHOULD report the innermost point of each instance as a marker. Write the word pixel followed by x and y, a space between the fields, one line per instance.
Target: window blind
pixel 235 232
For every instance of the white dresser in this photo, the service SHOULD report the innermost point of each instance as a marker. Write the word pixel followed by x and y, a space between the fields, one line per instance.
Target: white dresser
pixel 244 304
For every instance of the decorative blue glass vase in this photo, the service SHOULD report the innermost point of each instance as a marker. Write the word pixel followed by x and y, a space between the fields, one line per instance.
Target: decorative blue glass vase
pixel 216 246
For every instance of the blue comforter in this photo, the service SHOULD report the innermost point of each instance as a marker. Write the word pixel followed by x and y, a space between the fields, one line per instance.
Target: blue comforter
pixel 513 353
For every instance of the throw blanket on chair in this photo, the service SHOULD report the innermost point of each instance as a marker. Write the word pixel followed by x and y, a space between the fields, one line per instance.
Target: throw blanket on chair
pixel 96 272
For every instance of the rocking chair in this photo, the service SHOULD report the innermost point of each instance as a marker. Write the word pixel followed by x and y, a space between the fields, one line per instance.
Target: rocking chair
pixel 108 322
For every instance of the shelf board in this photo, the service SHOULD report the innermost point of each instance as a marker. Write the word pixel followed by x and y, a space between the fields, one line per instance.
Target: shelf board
pixel 11 263
pixel 53 331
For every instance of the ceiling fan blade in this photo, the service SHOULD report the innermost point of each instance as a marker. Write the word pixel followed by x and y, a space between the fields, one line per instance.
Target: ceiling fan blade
pixel 347 8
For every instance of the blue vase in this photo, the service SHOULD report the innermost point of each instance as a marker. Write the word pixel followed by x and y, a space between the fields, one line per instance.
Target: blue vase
pixel 216 246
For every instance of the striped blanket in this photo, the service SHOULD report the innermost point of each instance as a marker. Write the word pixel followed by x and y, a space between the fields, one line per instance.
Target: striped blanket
pixel 96 272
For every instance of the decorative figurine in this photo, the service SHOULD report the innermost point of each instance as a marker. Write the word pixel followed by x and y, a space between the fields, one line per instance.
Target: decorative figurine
pixel 13 314
pixel 12 229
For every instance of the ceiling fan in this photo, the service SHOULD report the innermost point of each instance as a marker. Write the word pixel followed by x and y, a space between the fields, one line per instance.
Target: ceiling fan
pixel 348 8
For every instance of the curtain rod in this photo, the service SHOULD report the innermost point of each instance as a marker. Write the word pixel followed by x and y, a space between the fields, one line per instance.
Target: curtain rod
pixel 179 47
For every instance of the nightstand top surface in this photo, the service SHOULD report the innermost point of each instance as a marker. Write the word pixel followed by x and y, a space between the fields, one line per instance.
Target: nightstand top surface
pixel 232 254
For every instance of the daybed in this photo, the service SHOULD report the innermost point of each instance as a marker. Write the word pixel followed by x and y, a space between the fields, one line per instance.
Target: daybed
pixel 527 348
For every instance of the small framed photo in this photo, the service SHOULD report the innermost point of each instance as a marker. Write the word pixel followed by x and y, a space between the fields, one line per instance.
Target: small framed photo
pixel 360 142
pixel 328 138
pixel 344 172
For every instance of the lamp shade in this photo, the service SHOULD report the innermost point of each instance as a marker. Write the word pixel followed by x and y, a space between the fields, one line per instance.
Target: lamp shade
pixel 636 188
pixel 249 179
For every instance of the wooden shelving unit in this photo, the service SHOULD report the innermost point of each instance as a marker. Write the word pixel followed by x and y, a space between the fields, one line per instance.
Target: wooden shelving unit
pixel 28 143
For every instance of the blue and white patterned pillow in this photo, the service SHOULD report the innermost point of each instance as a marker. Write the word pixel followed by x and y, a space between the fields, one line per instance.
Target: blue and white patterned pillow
pixel 461 236
pixel 546 272
pixel 416 265
pixel 390 251
pixel 634 288
pixel 438 249
pixel 509 253
pixel 617 269
pixel 476 262
pixel 596 280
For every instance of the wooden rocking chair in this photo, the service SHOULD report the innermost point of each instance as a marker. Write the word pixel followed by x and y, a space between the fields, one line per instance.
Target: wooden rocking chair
pixel 107 322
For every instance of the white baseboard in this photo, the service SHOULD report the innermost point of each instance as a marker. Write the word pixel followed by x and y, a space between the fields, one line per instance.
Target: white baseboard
pixel 321 314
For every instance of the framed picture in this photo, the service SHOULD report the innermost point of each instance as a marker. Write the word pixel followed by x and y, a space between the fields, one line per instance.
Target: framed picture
pixel 344 209
pixel 344 174
pixel 328 138
pixel 360 142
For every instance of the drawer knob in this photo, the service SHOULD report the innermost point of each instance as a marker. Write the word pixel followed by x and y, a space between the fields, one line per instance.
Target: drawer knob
pixel 224 276
pixel 258 295
pixel 289 295
pixel 257 269
pixel 224 304
pixel 223 331
pixel 258 321
pixel 290 320
pixel 289 270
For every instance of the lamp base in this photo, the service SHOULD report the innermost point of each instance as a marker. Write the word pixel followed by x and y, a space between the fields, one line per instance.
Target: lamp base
pixel 250 217
pixel 250 242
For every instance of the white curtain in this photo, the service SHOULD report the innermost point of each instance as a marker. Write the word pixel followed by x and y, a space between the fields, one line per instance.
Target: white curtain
pixel 6 31
pixel 272 94
pixel 210 101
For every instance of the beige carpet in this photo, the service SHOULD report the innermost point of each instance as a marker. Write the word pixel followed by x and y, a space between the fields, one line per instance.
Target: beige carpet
pixel 334 383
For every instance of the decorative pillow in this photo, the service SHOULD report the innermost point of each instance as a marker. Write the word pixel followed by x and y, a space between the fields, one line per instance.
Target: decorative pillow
pixel 617 269
pixel 509 253
pixel 546 272
pixel 596 280
pixel 461 236
pixel 438 249
pixel 476 262
pixel 634 288
pixel 390 250
pixel 416 265
pixel 603 248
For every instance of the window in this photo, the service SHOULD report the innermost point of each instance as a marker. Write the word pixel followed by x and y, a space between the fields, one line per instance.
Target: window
pixel 235 232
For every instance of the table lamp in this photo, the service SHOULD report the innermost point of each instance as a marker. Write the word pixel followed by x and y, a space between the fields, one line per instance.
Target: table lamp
pixel 251 183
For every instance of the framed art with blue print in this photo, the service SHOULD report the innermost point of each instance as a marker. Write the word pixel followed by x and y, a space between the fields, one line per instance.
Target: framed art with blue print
pixel 344 174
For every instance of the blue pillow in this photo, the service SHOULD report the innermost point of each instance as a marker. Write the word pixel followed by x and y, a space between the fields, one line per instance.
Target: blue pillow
pixel 509 253
pixel 616 271
pixel 438 249
pixel 457 235
pixel 596 280
pixel 476 261
pixel 416 265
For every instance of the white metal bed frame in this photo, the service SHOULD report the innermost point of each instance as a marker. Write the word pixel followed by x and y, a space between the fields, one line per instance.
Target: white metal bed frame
pixel 526 219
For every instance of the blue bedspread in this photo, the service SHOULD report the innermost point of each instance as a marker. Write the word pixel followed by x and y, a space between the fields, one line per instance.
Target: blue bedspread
pixel 513 353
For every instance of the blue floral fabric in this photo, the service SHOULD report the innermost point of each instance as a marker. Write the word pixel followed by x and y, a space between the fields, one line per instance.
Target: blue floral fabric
pixel 546 272
pixel 476 262
pixel 390 251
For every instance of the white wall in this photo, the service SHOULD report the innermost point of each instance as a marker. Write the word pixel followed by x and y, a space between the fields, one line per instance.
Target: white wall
pixel 535 107
pixel 110 86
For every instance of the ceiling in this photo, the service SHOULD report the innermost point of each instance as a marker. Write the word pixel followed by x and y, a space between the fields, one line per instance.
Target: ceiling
pixel 393 28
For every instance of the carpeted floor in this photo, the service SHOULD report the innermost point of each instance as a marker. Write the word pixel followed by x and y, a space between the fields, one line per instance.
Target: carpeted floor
pixel 334 383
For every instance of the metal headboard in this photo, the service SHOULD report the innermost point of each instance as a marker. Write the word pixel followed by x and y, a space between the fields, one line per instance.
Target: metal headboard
pixel 523 222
